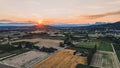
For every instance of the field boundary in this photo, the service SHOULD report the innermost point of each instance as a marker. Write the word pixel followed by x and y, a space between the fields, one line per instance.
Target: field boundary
pixel 115 54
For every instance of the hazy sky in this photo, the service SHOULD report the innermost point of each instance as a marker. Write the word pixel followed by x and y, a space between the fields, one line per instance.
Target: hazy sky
pixel 60 11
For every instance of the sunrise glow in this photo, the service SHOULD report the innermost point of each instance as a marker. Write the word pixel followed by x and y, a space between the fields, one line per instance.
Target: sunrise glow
pixel 62 11
pixel 39 23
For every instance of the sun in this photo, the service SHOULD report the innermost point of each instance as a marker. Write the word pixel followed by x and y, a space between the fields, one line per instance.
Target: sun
pixel 39 23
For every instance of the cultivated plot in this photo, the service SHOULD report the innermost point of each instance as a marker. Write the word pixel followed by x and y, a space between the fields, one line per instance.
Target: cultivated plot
pixel 104 59
pixel 42 42
pixel 24 58
pixel 62 59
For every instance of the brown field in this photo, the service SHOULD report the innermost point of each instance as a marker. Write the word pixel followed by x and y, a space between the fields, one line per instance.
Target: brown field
pixel 41 42
pixel 62 59
pixel 25 58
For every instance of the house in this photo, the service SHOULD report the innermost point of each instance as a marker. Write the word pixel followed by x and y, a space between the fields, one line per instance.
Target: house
pixel 80 53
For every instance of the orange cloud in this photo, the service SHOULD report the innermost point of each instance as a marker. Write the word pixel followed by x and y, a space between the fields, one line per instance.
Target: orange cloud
pixel 101 15
pixel 110 16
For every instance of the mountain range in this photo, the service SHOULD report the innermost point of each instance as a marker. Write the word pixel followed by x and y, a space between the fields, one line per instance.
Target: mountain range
pixel 97 25
pixel 115 25
pixel 9 23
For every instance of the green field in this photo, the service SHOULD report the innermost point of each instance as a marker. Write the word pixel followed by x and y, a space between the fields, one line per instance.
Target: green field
pixel 84 66
pixel 4 54
pixel 117 49
pixel 118 54
pixel 6 50
pixel 102 44
pixel 94 35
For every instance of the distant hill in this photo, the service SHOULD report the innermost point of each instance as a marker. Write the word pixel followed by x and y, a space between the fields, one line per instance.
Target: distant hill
pixel 76 25
pixel 100 23
pixel 8 25
pixel 68 25
pixel 114 26
pixel 96 26
pixel 16 24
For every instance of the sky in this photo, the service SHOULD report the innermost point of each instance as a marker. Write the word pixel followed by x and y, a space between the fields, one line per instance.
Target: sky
pixel 60 11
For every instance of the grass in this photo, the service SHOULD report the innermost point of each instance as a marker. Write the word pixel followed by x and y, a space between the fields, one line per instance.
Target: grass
pixel 19 51
pixel 102 44
pixel 95 35
pixel 9 50
pixel 4 54
pixel 104 55
pixel 117 50
pixel 57 37
pixel 86 44
pixel 84 66
pixel 80 49
pixel 118 54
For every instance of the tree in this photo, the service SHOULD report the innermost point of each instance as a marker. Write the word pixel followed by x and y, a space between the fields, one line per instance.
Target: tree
pixel 95 48
pixel 68 38
pixel 61 44
pixel 87 36
pixel 9 38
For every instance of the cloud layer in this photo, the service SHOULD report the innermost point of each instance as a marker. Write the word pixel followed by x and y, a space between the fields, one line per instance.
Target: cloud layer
pixel 96 16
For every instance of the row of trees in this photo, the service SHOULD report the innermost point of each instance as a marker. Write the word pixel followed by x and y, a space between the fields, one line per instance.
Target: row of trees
pixel 30 45
pixel 92 51
pixel 44 49
pixel 23 44
pixel 7 48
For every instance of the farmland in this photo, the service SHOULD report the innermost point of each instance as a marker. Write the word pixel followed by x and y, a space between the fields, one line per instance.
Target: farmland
pixel 104 59
pixel 116 45
pixel 25 58
pixel 84 66
pixel 62 59
pixel 77 51
pixel 7 50
pixel 41 42
pixel 104 45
